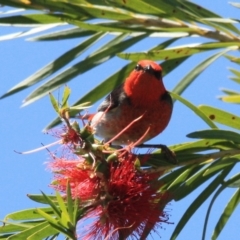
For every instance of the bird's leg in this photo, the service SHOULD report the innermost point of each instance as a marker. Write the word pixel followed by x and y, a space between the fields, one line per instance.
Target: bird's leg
pixel 169 154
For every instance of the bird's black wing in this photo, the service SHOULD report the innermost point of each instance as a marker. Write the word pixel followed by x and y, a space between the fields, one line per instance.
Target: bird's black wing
pixel 114 99
pixel 167 98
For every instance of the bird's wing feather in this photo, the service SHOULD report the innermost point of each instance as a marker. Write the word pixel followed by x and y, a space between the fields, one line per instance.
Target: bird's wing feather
pixel 167 98
pixel 114 99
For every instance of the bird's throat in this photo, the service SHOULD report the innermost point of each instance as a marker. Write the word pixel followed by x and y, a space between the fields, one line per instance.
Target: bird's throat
pixel 143 89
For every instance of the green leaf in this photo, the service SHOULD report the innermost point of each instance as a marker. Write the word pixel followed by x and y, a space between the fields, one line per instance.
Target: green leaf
pixel 28 232
pixel 202 176
pixel 80 67
pixel 220 20
pixel 32 19
pixel 177 52
pixel 63 35
pixel 220 116
pixel 227 212
pixel 193 74
pixel 54 103
pixel 64 219
pixel 194 109
pixel 142 6
pixel 224 185
pixel 231 99
pixel 27 32
pixel 216 134
pixel 52 204
pixel 27 214
pixel 232 58
pixel 70 205
pixel 40 234
pixel 66 94
pixel 54 66
pixel 182 177
pixel 205 13
pixel 10 227
pixel 97 11
pixel 234 71
pixel 230 92
pixel 40 198
pixel 235 4
pixel 201 145
pixel 195 205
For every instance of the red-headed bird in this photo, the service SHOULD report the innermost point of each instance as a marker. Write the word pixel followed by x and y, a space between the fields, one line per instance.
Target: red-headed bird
pixel 142 96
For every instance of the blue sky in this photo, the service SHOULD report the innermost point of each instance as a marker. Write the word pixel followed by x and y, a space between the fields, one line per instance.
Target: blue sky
pixel 20 128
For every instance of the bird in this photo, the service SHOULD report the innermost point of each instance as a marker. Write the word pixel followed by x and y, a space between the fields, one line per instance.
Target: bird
pixel 137 110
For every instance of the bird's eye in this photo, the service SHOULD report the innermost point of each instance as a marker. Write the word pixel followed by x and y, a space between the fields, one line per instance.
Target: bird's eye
pixel 157 74
pixel 138 67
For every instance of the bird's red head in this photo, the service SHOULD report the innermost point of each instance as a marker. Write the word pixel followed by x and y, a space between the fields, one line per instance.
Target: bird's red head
pixel 144 83
pixel 150 67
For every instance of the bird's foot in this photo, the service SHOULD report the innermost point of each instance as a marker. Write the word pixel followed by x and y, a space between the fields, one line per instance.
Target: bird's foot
pixel 168 153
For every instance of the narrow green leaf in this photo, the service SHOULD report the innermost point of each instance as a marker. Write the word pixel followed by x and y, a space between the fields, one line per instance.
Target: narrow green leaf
pixel 221 20
pixel 201 176
pixel 55 65
pixel 15 4
pixel 40 198
pixel 234 71
pixel 43 233
pixel 232 58
pixel 220 116
pixel 52 204
pixel 201 145
pixel 171 9
pixel 77 212
pixel 64 219
pixel 54 103
pixel 221 164
pixel 181 178
pixel 10 227
pixel 142 6
pixel 235 4
pixel 27 214
pixel 33 30
pixel 74 32
pixel 227 212
pixel 168 179
pixel 80 67
pixel 32 19
pixel 235 79
pixel 66 94
pixel 53 222
pixel 28 232
pixel 177 52
pixel 230 92
pixel 231 99
pixel 205 13
pixel 194 109
pixel 195 205
pixel 70 205
pixel 193 74
pixel 107 12
pixel 224 185
pixel 171 64
pixel 216 134
pixel 111 27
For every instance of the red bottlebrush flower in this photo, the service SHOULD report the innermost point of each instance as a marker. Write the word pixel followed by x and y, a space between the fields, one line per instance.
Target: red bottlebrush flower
pixel 84 185
pixel 125 201
pixel 131 206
